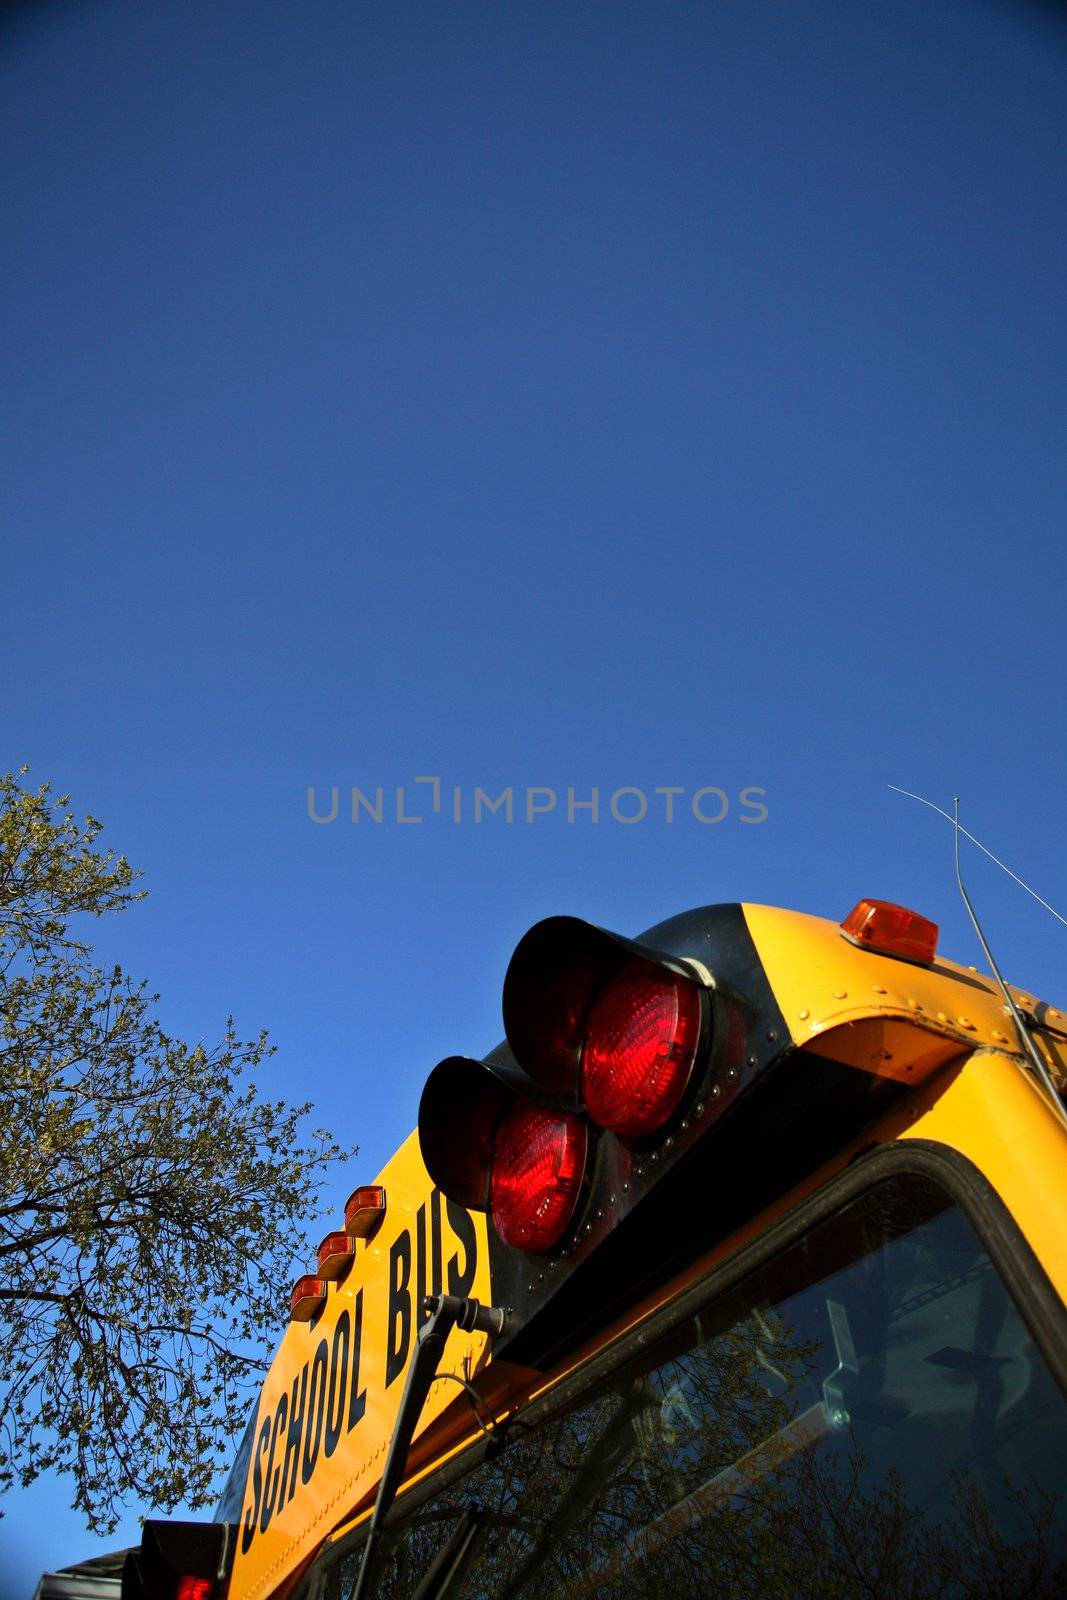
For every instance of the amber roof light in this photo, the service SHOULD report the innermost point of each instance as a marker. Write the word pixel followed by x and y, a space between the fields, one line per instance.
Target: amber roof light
pixel 307 1299
pixel 891 930
pixel 364 1210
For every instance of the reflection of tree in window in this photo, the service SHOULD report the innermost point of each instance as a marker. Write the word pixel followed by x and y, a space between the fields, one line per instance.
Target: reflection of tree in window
pixel 866 1416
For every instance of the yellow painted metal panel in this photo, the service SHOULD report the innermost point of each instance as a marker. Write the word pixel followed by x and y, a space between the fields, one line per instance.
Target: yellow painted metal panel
pixel 908 1022
pixel 994 1113
pixel 822 982
pixel 328 1404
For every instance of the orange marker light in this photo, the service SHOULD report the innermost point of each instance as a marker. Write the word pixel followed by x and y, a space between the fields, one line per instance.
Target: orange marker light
pixel 364 1210
pixel 891 930
pixel 309 1295
pixel 335 1256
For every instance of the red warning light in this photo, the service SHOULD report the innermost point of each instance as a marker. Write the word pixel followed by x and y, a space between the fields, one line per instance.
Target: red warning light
pixel 538 1165
pixel 193 1588
pixel 891 930
pixel 642 1035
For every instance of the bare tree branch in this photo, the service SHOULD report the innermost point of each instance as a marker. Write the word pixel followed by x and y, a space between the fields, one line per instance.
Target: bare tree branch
pixel 152 1203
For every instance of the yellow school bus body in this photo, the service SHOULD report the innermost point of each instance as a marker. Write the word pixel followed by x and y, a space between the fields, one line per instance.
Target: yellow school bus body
pixel 942 1031
pixel 267 1556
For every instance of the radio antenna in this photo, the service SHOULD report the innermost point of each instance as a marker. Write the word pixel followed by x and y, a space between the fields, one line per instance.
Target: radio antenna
pixel 995 859
pixel 1025 1037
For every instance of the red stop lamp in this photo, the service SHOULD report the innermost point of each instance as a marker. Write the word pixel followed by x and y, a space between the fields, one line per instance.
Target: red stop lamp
pixel 308 1298
pixel 194 1588
pixel 336 1253
pixel 364 1210
pixel 642 1034
pixel 538 1165
pixel 891 930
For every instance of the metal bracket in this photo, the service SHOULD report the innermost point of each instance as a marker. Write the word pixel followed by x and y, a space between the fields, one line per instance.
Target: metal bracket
pixel 445 1312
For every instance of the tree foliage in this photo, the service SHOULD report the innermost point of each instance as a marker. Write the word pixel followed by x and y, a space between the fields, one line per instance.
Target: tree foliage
pixel 151 1200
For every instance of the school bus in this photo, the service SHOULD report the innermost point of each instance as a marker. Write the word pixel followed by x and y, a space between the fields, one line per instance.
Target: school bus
pixel 738 1269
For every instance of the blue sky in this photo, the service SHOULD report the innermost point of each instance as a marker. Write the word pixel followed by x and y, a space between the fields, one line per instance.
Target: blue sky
pixel 567 395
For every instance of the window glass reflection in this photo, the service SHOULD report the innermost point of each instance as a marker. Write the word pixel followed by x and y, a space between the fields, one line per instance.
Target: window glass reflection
pixel 866 1416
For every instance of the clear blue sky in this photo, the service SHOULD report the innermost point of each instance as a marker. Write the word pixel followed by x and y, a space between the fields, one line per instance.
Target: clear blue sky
pixel 556 394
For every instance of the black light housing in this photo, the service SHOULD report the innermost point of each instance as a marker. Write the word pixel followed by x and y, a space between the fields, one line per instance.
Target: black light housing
pixel 655 1193
pixel 179 1561
pixel 463 1102
pixel 555 972
pixel 640 1170
pixel 491 1141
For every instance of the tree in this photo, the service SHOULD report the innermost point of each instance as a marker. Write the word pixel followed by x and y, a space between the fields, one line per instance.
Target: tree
pixel 151 1199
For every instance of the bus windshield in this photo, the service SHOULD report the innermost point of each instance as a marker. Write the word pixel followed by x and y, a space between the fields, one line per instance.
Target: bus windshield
pixel 866 1414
